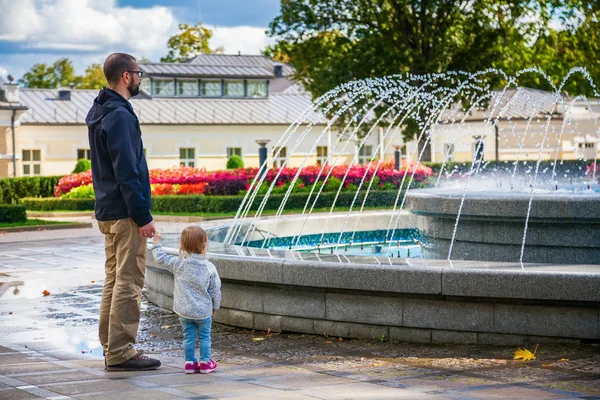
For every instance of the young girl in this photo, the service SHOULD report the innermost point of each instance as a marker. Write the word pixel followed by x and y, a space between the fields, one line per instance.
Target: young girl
pixel 197 294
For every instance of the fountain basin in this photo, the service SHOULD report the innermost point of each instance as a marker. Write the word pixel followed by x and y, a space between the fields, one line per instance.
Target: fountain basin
pixel 415 300
pixel 563 228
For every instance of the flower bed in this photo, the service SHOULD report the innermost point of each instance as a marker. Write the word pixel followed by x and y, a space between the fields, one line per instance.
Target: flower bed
pixel 189 180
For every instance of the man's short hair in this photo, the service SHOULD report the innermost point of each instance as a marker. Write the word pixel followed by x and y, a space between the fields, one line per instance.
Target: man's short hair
pixel 116 64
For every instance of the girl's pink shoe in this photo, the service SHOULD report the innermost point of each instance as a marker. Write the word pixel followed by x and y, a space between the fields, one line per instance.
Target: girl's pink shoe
pixel 191 367
pixel 208 367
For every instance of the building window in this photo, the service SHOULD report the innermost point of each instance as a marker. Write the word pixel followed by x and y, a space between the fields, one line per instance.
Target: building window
pixel 84 153
pixel 280 156
pixel 321 155
pixel 234 150
pixel 448 152
pixel 478 150
pixel 234 88
pixel 365 153
pixel 32 162
pixel 187 87
pixel 145 85
pixel 211 88
pixel 187 157
pixel 164 87
pixel 257 88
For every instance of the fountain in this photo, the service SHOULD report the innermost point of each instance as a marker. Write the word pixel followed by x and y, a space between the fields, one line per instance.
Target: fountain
pixel 457 257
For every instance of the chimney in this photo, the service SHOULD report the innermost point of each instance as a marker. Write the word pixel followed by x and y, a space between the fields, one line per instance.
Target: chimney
pixel 11 90
pixel 64 94
pixel 278 70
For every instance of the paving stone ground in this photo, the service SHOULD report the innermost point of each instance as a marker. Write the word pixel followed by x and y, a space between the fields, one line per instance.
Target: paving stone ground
pixel 49 347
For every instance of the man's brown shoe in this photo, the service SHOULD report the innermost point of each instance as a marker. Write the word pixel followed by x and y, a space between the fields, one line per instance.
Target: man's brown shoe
pixel 135 363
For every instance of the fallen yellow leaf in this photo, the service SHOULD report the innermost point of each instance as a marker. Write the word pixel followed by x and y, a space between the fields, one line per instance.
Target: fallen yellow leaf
pixel 258 339
pixel 93 281
pixel 328 342
pixel 153 334
pixel 46 293
pixel 563 360
pixel 165 327
pixel 340 339
pixel 524 355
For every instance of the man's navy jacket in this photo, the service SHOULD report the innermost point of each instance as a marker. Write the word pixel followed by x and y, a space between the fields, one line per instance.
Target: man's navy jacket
pixel 119 169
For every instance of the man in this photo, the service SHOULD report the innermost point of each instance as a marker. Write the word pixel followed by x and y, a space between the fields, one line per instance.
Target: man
pixel 122 188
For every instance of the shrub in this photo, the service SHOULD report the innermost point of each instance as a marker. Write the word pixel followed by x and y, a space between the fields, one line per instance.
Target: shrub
pixel 68 182
pixel 12 189
pixel 215 204
pixel 54 204
pixel 83 164
pixel 227 182
pixel 12 213
pixel 81 192
pixel 235 162
pixel 161 189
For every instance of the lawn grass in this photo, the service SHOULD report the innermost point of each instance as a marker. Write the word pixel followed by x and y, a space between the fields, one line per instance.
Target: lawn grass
pixel 31 222
pixel 251 213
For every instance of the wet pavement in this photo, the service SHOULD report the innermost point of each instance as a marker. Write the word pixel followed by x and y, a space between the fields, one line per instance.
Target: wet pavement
pixel 49 347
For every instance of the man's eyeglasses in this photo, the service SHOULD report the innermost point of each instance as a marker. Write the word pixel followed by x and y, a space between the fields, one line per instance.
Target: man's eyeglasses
pixel 139 73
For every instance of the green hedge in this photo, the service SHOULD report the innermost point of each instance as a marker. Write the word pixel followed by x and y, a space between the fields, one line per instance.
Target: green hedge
pixel 573 168
pixel 214 204
pixel 13 189
pixel 12 213
pixel 53 204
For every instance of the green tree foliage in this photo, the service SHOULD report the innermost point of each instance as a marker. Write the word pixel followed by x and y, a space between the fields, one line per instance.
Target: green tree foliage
pixel 190 41
pixel 331 43
pixel 93 78
pixel 60 73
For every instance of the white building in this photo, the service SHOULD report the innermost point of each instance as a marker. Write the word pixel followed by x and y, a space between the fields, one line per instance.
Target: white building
pixel 202 111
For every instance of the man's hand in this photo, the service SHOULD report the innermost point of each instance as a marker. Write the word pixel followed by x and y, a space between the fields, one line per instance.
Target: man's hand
pixel 148 230
pixel 156 238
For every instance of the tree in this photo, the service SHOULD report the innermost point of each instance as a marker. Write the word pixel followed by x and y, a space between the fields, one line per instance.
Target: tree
pixel 331 43
pixel 560 51
pixel 65 73
pixel 39 76
pixel 93 78
pixel 60 73
pixel 189 42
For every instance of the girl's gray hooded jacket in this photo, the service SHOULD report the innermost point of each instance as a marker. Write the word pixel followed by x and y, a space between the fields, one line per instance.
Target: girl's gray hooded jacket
pixel 197 283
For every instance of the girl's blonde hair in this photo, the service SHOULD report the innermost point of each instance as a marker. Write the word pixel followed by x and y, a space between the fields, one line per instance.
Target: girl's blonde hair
pixel 193 240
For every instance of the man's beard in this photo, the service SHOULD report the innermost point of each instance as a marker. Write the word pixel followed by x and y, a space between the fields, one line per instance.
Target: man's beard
pixel 133 89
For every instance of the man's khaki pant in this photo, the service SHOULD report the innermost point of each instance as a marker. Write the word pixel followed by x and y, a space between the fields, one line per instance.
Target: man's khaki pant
pixel 122 293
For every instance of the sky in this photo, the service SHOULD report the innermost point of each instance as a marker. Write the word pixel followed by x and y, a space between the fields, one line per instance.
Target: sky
pixel 86 31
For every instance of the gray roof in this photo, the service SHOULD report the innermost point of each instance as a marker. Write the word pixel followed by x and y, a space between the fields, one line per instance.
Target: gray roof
pixel 240 61
pixel 219 65
pixel 182 69
pixel 519 103
pixel 278 108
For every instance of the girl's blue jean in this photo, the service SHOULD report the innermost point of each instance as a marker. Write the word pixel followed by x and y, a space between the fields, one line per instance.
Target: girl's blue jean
pixel 191 329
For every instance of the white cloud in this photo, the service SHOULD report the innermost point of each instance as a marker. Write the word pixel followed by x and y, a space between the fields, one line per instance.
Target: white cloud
pixel 3 72
pixel 86 31
pixel 245 39
pixel 88 25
